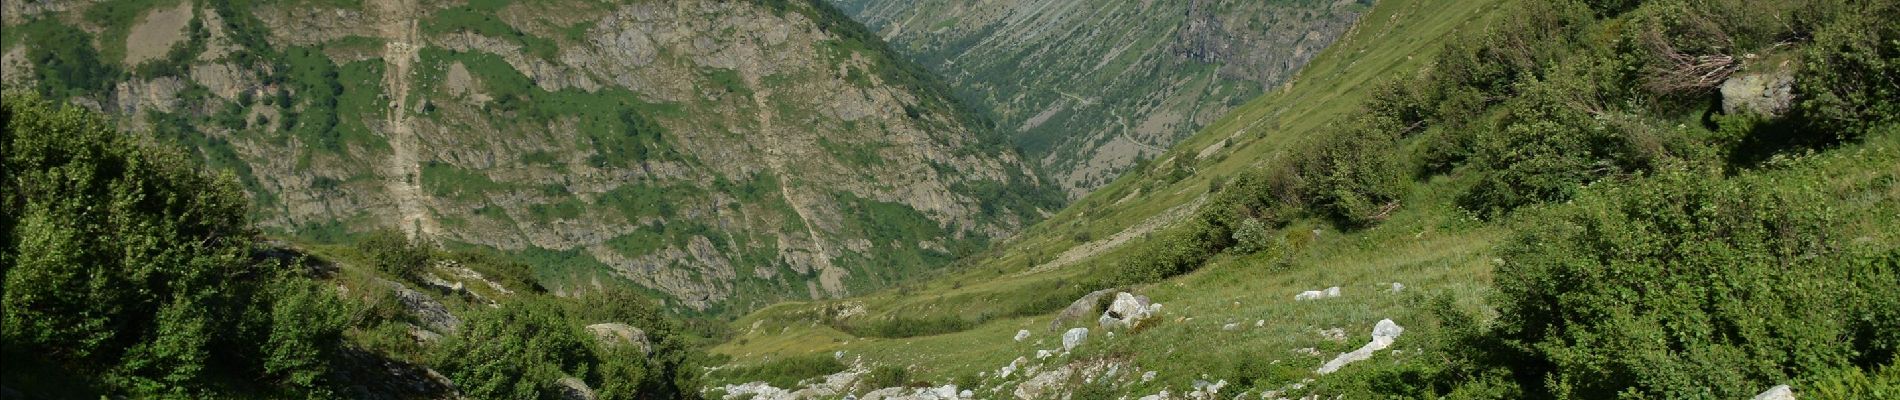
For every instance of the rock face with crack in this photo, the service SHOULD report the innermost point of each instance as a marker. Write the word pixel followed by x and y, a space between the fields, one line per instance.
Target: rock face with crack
pixel 725 154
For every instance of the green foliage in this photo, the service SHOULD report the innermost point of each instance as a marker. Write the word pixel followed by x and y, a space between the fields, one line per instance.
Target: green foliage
pixel 64 62
pixel 903 326
pixel 670 370
pixel 516 351
pixel 124 263
pixel 783 372
pixel 1854 383
pixel 394 253
pixel 884 376
pixel 1252 236
pixel 1852 76
pixel 1743 280
pixel 304 321
pixel 483 18
pixel 1354 176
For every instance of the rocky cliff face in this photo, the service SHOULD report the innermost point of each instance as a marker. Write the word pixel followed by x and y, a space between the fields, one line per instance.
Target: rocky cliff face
pixel 1088 88
pixel 723 153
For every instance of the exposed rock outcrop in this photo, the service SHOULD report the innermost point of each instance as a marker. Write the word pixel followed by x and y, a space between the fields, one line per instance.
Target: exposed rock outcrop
pixel 1383 334
pixel 614 334
pixel 1765 93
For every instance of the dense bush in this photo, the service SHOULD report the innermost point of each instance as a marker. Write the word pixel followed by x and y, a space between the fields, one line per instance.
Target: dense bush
pixel 394 253
pixel 1684 285
pixel 1852 74
pixel 125 264
pixel 520 350
pixel 1352 176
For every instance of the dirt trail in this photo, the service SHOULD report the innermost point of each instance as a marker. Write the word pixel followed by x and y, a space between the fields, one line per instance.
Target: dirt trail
pixel 396 22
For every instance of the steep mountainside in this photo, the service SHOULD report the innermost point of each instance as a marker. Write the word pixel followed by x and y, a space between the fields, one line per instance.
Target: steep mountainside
pixel 1458 199
pixel 1090 88
pixel 722 153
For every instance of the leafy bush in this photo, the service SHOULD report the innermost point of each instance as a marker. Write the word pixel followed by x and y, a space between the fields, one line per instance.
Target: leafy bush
pixel 1354 176
pixel 395 254
pixel 1688 286
pixel 884 376
pixel 1852 74
pixel 122 262
pixel 519 350
pixel 1253 236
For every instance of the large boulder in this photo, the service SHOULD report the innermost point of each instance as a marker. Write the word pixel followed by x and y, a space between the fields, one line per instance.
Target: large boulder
pixel 1127 310
pixel 1078 308
pixel 1779 392
pixel 614 334
pixel 1765 93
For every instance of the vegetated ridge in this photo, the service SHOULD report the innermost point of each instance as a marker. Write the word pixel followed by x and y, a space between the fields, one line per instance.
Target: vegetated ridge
pixel 1089 89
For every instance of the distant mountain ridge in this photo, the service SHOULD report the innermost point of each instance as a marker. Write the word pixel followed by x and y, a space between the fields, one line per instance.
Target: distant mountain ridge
pixel 1090 88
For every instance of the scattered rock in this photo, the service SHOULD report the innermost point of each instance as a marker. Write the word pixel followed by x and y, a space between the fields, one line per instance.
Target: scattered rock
pixel 1330 292
pixel 1147 376
pixel 1073 338
pixel 1206 390
pixel 1397 287
pixel 618 334
pixel 1779 392
pixel 1042 354
pixel 1011 368
pixel 755 391
pixel 1768 93
pixel 1022 334
pixel 1335 334
pixel 1383 334
pixel 1230 327
pixel 1260 323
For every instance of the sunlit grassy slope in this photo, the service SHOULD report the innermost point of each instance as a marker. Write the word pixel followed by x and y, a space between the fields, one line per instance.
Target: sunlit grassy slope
pixel 998 293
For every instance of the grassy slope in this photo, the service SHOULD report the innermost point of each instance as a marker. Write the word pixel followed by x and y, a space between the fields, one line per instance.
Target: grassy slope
pixel 1440 249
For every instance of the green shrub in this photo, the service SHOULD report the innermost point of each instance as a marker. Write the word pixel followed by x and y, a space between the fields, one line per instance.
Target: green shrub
pixel 1851 78
pixel 1853 383
pixel 1555 139
pixel 1354 176
pixel 129 269
pixel 784 372
pixel 1688 286
pixel 395 254
pixel 517 351
pixel 884 376
pixel 1253 236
